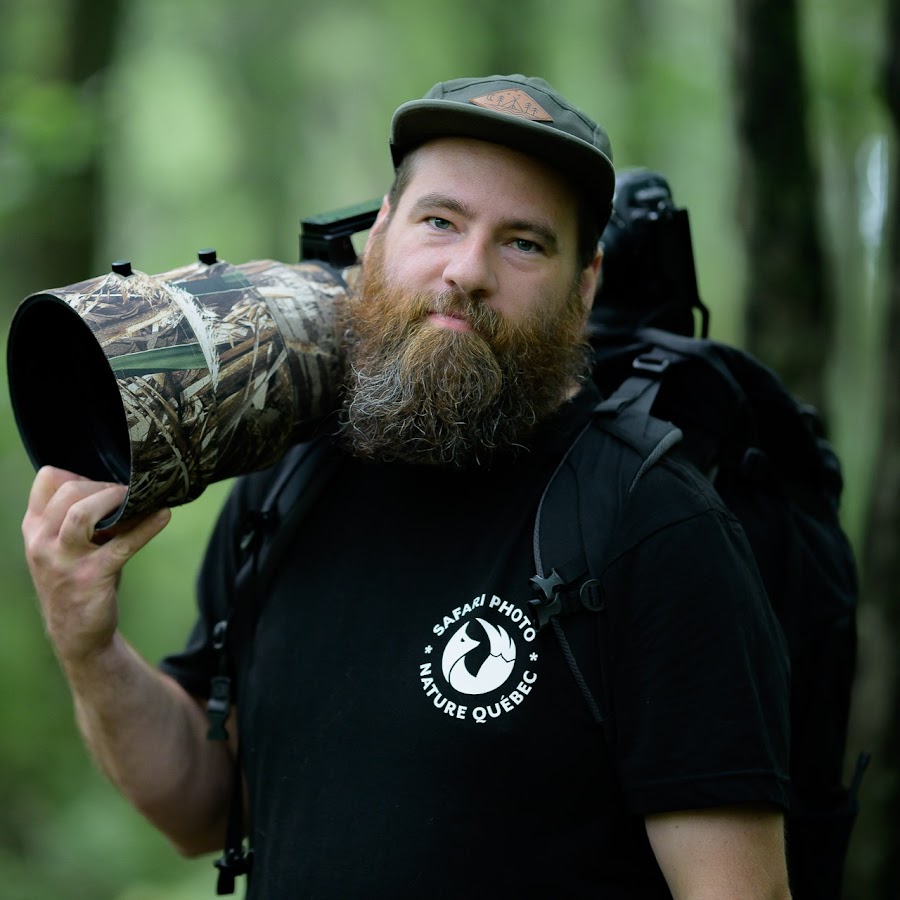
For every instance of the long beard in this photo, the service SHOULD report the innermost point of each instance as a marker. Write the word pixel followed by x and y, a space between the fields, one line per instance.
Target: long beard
pixel 421 393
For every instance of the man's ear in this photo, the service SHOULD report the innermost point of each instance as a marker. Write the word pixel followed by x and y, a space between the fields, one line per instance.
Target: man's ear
pixel 589 279
pixel 380 220
pixel 382 216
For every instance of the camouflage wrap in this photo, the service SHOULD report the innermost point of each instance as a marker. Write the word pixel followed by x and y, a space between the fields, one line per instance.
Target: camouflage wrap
pixel 219 368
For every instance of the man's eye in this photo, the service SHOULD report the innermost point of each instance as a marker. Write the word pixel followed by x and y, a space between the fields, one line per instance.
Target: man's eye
pixel 439 223
pixel 526 246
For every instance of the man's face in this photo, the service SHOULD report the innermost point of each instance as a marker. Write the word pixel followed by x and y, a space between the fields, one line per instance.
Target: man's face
pixel 470 318
pixel 489 222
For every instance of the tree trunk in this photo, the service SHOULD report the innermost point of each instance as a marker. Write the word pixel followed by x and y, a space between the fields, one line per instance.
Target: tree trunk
pixel 787 308
pixel 55 241
pixel 882 560
pixel 510 48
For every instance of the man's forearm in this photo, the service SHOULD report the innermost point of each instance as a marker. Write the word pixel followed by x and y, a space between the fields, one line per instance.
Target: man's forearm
pixel 149 737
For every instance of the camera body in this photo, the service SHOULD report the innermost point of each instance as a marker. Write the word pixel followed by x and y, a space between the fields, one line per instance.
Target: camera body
pixel 648 277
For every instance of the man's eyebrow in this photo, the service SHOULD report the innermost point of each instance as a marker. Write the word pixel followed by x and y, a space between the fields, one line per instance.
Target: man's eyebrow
pixel 441 201
pixel 542 230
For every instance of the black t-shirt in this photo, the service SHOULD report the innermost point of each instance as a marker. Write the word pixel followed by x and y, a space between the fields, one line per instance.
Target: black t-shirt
pixel 407 733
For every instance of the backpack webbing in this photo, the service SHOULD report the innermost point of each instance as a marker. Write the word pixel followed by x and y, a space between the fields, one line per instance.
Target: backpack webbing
pixel 265 536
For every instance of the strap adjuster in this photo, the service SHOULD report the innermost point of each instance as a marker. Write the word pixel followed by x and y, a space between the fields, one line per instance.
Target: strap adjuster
pixel 218 708
pixel 652 363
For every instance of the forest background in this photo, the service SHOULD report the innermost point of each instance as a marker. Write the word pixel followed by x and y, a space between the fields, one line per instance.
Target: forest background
pixel 147 129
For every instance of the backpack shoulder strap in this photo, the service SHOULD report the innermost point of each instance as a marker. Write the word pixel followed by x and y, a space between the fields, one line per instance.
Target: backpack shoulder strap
pixel 621 430
pixel 260 544
pixel 266 534
pixel 622 437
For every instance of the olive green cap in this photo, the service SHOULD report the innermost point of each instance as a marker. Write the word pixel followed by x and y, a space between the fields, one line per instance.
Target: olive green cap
pixel 526 114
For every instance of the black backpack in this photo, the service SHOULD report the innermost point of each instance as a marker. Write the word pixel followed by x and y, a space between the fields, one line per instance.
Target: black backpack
pixel 664 390
pixel 766 455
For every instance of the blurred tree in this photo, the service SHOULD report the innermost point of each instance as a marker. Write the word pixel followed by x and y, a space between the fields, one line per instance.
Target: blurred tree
pixel 52 80
pixel 791 313
pixel 253 54
pixel 634 60
pixel 787 301
pixel 881 559
pixel 514 44
pixel 53 126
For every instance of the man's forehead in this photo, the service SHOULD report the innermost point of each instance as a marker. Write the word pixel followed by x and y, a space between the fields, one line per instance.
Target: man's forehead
pixel 466 150
pixel 475 172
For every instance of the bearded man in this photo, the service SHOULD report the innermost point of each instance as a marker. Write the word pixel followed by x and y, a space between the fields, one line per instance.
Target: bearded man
pixel 443 373
pixel 404 730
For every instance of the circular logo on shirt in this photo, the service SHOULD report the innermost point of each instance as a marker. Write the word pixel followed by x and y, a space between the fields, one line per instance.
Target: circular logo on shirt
pixel 490 672
pixel 480 666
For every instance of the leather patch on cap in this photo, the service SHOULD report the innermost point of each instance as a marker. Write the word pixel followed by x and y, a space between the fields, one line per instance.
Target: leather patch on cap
pixel 514 102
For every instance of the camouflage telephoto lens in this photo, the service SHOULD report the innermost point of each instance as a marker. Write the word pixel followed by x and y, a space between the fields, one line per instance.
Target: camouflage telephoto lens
pixel 168 383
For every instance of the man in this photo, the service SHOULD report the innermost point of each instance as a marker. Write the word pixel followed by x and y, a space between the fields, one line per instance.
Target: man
pixel 404 730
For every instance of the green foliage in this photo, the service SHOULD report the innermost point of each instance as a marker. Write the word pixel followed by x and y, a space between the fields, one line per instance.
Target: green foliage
pixel 50 125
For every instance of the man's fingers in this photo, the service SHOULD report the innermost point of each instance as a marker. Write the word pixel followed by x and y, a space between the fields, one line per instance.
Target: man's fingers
pixel 74 510
pixel 132 536
pixel 75 569
pixel 64 509
pixel 46 483
pixel 81 507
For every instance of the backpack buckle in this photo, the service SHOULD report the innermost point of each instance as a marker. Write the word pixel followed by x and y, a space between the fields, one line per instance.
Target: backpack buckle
pixel 218 708
pixel 233 863
pixel 649 362
pixel 542 609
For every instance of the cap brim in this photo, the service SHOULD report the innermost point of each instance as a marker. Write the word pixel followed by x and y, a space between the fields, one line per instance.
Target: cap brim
pixel 419 121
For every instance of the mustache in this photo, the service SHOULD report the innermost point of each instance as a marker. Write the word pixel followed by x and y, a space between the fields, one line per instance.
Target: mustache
pixel 484 321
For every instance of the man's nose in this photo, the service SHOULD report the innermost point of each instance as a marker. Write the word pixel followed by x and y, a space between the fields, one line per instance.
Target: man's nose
pixel 471 267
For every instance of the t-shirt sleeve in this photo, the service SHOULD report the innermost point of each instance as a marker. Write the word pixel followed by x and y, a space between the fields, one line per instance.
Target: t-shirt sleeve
pixel 698 676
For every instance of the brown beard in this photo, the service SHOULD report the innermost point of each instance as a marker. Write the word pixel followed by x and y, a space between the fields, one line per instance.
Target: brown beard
pixel 426 394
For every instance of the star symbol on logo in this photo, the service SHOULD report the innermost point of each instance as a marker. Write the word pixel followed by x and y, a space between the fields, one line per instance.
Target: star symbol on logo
pixel 533 657
pixel 429 648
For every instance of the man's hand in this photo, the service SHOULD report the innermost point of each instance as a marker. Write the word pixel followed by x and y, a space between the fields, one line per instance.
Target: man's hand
pixel 75 569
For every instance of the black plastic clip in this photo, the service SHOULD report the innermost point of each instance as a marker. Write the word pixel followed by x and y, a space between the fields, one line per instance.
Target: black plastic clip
pixel 647 362
pixel 253 529
pixel 591 596
pixel 218 707
pixel 542 609
pixel 234 863
pixel 219 704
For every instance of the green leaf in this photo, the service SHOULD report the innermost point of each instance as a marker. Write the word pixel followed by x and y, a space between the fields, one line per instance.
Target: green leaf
pixel 161 359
